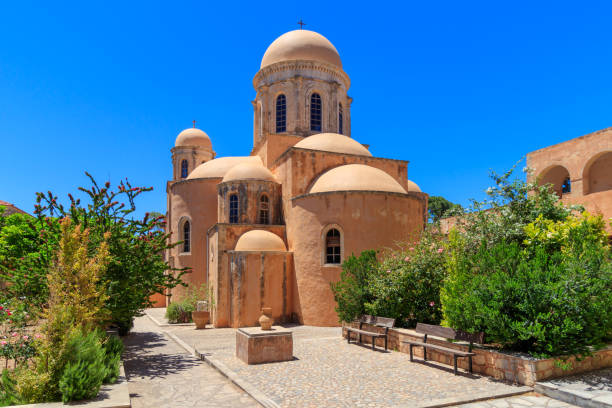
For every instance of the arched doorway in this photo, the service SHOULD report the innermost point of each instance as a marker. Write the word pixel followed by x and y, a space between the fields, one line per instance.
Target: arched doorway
pixel 597 174
pixel 558 177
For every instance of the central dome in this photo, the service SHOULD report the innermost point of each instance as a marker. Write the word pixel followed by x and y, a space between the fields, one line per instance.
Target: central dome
pixel 301 45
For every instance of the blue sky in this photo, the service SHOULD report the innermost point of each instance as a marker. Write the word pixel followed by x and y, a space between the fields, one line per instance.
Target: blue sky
pixel 456 88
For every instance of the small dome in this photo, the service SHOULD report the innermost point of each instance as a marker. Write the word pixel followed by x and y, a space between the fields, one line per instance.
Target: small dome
pixel 260 240
pixel 249 171
pixel 412 186
pixel 193 137
pixel 218 167
pixel 301 45
pixel 359 177
pixel 333 142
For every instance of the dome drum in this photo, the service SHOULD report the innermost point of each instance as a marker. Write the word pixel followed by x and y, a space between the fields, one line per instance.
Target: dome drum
pixel 249 202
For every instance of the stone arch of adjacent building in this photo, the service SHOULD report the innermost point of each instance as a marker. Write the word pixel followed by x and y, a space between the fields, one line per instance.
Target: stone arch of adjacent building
pixel 556 175
pixel 597 173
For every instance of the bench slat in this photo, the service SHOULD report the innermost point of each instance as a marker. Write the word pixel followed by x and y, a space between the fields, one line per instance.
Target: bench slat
pixel 440 348
pixel 449 333
pixel 368 333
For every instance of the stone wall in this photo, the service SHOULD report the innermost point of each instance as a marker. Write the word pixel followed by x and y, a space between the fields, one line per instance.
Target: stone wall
pixel 502 366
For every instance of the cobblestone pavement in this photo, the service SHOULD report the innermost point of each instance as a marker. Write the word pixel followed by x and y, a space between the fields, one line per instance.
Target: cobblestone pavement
pixel 523 401
pixel 162 374
pixel 328 372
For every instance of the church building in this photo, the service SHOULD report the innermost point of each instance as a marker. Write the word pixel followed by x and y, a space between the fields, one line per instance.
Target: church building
pixel 272 229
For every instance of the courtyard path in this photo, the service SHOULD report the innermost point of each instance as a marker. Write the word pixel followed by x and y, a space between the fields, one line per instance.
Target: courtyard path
pixel 162 374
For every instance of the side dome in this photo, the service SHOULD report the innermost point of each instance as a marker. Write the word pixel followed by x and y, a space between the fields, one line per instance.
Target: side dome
pixel 301 45
pixel 218 167
pixel 249 171
pixel 333 142
pixel 358 177
pixel 412 186
pixel 193 137
pixel 260 240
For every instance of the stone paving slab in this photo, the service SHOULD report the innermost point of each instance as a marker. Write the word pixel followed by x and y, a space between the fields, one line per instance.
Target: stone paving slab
pixel 328 372
pixel 158 315
pixel 162 374
pixel 535 401
pixel 591 390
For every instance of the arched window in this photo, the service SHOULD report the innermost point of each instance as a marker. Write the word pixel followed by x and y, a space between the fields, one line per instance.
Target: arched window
pixel 233 209
pixel 332 247
pixel 281 113
pixel 184 169
pixel 264 210
pixel 340 118
pixel 186 236
pixel 315 112
pixel 566 187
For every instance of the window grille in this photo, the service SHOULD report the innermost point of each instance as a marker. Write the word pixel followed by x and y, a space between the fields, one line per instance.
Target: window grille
pixel 332 247
pixel 315 112
pixel 233 209
pixel 340 118
pixel 186 237
pixel 281 114
pixel 184 169
pixel 264 210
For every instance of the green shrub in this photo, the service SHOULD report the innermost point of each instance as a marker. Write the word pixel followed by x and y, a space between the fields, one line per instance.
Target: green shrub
pixel 8 393
pixel 180 311
pixel 113 347
pixel 85 371
pixel 406 284
pixel 351 292
pixel 550 295
pixel 177 312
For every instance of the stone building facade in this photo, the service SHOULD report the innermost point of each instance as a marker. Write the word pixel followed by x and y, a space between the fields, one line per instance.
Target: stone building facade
pixel 272 229
pixel 580 171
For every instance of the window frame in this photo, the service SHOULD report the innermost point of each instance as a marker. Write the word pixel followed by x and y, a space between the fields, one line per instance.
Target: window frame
pixel 185 238
pixel 316 103
pixel 233 213
pixel 281 113
pixel 184 168
pixel 340 118
pixel 324 241
pixel 264 201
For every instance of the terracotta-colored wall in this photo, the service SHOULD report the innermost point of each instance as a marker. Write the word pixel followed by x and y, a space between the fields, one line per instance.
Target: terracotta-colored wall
pixel 158 300
pixel 195 199
pixel 298 168
pixel 274 146
pixel 259 279
pixel 223 238
pixel 367 220
pixel 588 160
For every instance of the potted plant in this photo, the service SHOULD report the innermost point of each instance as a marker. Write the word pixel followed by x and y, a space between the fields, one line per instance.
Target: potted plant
pixel 201 316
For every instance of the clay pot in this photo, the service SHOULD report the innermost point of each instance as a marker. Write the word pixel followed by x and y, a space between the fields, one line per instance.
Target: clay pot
pixel 200 319
pixel 266 321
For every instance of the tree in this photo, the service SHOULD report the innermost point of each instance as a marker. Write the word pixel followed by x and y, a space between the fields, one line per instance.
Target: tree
pixel 137 268
pixel 27 247
pixel 439 206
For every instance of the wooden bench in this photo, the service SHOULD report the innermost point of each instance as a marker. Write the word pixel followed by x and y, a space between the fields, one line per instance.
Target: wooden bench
pixel 384 322
pixel 447 333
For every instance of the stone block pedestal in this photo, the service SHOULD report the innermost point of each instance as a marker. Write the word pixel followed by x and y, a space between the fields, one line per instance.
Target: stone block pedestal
pixel 256 346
